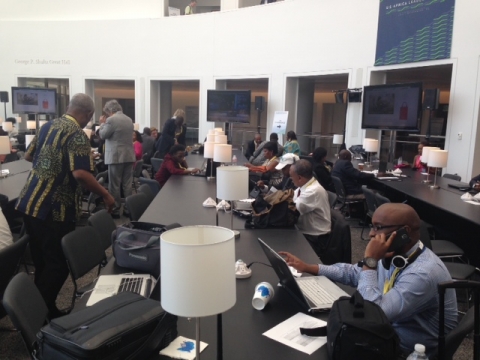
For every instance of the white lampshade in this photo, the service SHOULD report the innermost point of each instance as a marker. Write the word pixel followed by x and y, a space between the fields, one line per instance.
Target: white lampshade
pixel 218 129
pixel 365 141
pixel 208 148
pixel 1 120
pixel 31 125
pixel 88 132
pixel 42 122
pixel 136 126
pixel 7 126
pixel 19 119
pixel 4 145
pixel 42 117
pixel 370 145
pixel 28 139
pixel 222 153
pixel 219 132
pixel 232 182
pixel 211 132
pixel 211 138
pixel 426 151
pixel 438 158
pixel 221 139
pixel 197 264
pixel 338 139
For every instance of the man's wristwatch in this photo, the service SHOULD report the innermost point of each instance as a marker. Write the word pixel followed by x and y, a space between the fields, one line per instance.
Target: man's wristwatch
pixel 369 262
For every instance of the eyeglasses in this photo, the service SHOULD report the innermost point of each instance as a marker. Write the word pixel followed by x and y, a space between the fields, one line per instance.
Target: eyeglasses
pixel 381 227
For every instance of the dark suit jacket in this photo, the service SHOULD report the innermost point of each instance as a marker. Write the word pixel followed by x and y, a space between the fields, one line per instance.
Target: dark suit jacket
pixel 352 178
pixel 474 180
pixel 250 149
pixel 324 177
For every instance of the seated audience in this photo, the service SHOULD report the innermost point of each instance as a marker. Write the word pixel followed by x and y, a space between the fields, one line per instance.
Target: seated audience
pixel 252 145
pixel 148 142
pixel 168 138
pixel 291 146
pixel 6 238
pixel 312 203
pixel 323 168
pixel 257 158
pixel 137 145
pixel 417 160
pixel 352 178
pixel 173 164
pixel 408 296
pixel 284 165
pixel 267 170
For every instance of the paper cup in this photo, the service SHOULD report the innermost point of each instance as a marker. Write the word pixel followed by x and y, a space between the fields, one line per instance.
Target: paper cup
pixel 263 293
pixel 360 166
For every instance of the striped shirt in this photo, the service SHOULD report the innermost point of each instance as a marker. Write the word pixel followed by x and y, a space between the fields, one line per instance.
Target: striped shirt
pixel 60 148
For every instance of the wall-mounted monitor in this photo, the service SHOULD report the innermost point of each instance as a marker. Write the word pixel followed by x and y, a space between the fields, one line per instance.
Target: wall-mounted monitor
pixel 229 105
pixel 34 100
pixel 392 107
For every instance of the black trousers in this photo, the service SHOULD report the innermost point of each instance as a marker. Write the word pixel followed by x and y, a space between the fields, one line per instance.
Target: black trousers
pixel 318 242
pixel 51 268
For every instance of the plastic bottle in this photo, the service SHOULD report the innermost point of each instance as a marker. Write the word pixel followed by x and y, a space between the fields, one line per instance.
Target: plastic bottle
pixel 234 160
pixel 400 161
pixel 418 354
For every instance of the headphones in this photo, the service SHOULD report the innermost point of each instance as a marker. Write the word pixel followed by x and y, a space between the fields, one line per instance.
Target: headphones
pixel 401 262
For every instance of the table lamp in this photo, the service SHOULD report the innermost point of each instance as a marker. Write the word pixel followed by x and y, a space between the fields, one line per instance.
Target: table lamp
pixel 424 159
pixel 4 150
pixel 370 145
pixel 7 126
pixel 88 132
pixel 136 126
pixel 211 138
pixel 208 149
pixel 232 184
pixel 221 139
pixel 198 274
pixel 437 159
pixel 31 124
pixel 222 153
pixel 28 140
pixel 19 119
pixel 337 140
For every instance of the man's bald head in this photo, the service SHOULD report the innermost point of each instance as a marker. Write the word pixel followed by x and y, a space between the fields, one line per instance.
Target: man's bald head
pixel 81 107
pixel 345 155
pixel 398 214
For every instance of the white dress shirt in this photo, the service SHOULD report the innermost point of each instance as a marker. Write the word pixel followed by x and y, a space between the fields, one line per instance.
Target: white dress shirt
pixel 6 237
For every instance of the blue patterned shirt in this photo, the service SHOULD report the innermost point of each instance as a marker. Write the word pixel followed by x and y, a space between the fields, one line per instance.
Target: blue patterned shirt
pixel 60 148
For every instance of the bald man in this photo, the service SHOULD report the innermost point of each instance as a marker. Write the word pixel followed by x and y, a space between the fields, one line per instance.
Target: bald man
pixel 252 145
pixel 352 179
pixel 407 295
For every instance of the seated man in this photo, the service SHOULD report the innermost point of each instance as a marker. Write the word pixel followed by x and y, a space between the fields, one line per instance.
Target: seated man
pixel 253 145
pixel 258 157
pixel 284 165
pixel 352 179
pixel 173 164
pixel 408 295
pixel 311 200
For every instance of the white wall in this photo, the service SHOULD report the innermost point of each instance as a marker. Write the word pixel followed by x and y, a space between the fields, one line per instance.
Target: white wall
pixel 277 41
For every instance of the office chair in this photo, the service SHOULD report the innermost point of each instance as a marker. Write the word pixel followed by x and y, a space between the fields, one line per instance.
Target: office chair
pixel 154 185
pixel 332 199
pixel 145 174
pixel 339 247
pixel 92 199
pixel 83 251
pixel 137 172
pixel 371 207
pixel 103 223
pixel 380 200
pixel 342 196
pixel 26 308
pixel 452 176
pixel 156 164
pixel 145 189
pixel 136 205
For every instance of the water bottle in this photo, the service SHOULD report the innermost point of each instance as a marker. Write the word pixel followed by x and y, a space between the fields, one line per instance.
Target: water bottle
pixel 418 353
pixel 400 161
pixel 234 160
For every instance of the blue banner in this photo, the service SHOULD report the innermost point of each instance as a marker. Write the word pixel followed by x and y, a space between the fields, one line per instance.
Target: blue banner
pixel 414 30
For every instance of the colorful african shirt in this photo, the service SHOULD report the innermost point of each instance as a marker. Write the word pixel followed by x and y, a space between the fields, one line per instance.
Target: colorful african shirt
pixel 60 148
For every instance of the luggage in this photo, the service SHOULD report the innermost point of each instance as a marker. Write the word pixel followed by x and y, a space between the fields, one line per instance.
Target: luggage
pixel 124 326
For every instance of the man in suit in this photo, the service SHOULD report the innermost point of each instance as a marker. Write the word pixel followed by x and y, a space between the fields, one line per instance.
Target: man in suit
pixel 258 157
pixel 148 142
pixel 117 129
pixel 253 145
pixel 352 179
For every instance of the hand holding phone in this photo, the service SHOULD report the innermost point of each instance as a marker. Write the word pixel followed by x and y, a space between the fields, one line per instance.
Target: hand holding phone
pixel 401 239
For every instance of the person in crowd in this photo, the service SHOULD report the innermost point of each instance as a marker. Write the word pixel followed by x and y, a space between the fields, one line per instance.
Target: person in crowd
pixel 180 129
pixel 189 10
pixel 475 183
pixel 311 201
pixel 116 129
pixel 352 179
pixel 408 296
pixel 292 146
pixel 154 133
pixel 284 164
pixel 168 137
pixel 252 145
pixel 14 131
pixel 52 196
pixel 417 160
pixel 6 238
pixel 173 164
pixel 137 145
pixel 323 168
pixel 267 170
pixel 257 158
pixel 148 142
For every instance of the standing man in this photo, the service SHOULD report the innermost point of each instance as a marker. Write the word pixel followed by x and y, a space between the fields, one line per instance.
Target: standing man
pixel 116 129
pixel 189 9
pixel 311 200
pixel 148 142
pixel 52 196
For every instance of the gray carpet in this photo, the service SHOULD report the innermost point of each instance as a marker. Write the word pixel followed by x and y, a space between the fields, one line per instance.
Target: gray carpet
pixel 12 347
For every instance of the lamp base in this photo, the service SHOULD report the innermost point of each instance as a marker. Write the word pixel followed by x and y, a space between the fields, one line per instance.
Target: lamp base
pixel 237 234
pixel 434 187
pixel 4 173
pixel 211 178
pixel 426 181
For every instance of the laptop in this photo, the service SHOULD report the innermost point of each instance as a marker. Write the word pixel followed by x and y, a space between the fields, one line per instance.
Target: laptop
pixel 460 186
pixel 203 170
pixel 109 285
pixel 314 293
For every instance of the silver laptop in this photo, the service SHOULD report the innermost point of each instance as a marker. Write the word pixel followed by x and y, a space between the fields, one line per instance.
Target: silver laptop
pixel 315 293
pixel 109 285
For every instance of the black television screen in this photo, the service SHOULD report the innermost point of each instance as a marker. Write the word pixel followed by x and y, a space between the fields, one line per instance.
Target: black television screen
pixel 392 107
pixel 229 105
pixel 34 100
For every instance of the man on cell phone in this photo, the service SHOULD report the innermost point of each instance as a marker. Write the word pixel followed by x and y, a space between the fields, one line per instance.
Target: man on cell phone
pixel 399 274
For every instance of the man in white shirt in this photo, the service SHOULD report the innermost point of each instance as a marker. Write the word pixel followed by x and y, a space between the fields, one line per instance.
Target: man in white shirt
pixel 6 237
pixel 189 9
pixel 311 201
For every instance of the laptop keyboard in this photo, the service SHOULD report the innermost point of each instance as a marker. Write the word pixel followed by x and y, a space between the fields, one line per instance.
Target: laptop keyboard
pixel 131 285
pixel 315 293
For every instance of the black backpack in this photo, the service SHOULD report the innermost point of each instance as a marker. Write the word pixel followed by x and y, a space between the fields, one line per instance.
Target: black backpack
pixel 358 329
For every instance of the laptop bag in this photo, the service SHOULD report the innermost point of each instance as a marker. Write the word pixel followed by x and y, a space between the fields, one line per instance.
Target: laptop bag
pixel 124 326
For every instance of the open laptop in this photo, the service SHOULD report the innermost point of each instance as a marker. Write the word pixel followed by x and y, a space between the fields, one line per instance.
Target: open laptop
pixel 109 285
pixel 315 293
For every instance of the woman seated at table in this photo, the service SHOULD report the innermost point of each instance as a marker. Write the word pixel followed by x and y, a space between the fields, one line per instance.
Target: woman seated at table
pixel 291 146
pixel 323 168
pixel 173 164
pixel 417 160
pixel 267 170
pixel 137 145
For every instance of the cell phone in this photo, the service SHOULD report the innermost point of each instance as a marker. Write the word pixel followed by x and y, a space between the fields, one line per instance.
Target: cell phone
pixel 401 239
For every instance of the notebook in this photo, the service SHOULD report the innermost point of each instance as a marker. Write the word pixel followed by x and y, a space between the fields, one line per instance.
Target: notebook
pixel 315 293
pixel 109 285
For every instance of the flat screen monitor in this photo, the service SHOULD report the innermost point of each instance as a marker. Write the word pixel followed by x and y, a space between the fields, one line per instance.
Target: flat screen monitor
pixel 34 100
pixel 229 105
pixel 392 107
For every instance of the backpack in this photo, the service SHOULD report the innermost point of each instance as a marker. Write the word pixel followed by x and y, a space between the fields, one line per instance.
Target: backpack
pixel 357 329
pixel 274 210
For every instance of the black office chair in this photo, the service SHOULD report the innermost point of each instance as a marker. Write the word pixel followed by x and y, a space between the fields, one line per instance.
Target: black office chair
pixel 156 164
pixel 339 247
pixel 91 199
pixel 332 199
pixel 342 196
pixel 154 185
pixel 145 189
pixel 452 176
pixel 103 223
pixel 371 207
pixel 83 251
pixel 136 205
pixel 137 172
pixel 380 200
pixel 156 154
pixel 26 308
pixel 145 174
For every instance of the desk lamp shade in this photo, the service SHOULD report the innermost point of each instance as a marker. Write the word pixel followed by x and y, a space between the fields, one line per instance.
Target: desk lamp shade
pixel 42 122
pixel 88 132
pixel 232 182
pixel 4 145
pixel 337 139
pixel 211 132
pixel 222 153
pixel 211 138
pixel 425 153
pixel 7 126
pixel 19 119
pixel 31 125
pixel 218 129
pixel 370 145
pixel 437 158
pixel 221 139
pixel 28 140
pixel 208 148
pixel 136 126
pixel 198 273
pixel 365 141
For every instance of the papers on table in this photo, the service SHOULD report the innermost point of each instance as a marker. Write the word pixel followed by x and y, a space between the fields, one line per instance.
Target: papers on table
pixel 288 333
pixel 182 348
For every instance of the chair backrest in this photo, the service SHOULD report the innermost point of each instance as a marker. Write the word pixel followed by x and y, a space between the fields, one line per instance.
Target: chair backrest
pixel 145 189
pixel 137 171
pixel 370 200
pixel 156 154
pixel 154 185
pixel 339 188
pixel 93 196
pixel 453 177
pixel 339 248
pixel 103 223
pixel 332 199
pixel 457 335
pixel 10 257
pixel 156 164
pixel 25 307
pixel 104 175
pixel 136 205
pixel 425 235
pixel 146 158
pixel 145 174
pixel 380 200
